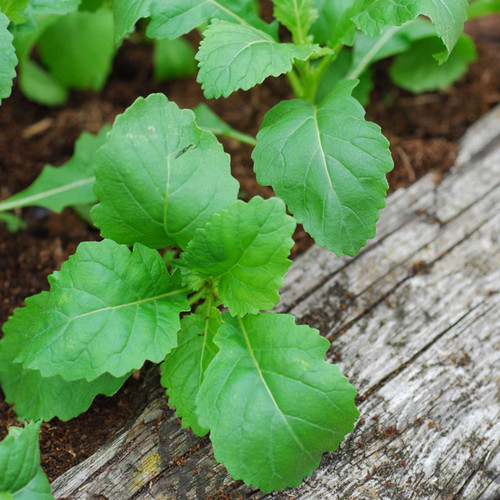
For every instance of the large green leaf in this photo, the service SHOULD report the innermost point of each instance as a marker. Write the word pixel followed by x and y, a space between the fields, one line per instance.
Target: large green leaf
pixel 8 59
pixel 297 15
pixel 177 17
pixel 21 477
pixel 247 247
pixel 160 177
pixel 418 71
pixel 328 164
pixel 110 310
pixel 447 15
pixel 59 187
pixel 183 370
pixel 234 56
pixel 84 59
pixel 35 397
pixel 271 402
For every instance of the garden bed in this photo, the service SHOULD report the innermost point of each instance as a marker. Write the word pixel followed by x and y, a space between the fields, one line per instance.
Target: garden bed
pixel 423 131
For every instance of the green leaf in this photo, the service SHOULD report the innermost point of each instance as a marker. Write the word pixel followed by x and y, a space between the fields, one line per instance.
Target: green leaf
pixel 37 489
pixel 375 15
pixel 183 370
pixel 480 8
pixel 418 71
pixel 85 58
pixel 13 223
pixel 8 59
pixel 13 9
pixel 159 177
pixel 448 16
pixel 177 17
pixel 126 14
pixel 208 120
pixel 297 15
pixel 59 7
pixel 40 86
pixel 247 247
pixel 390 43
pixel 174 59
pixel 36 83
pixel 69 185
pixel 234 56
pixel 287 405
pixel 334 23
pixel 110 310
pixel 337 71
pixel 20 471
pixel 36 397
pixel 328 164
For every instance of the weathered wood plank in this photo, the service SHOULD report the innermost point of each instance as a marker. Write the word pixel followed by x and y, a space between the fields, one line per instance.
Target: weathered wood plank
pixel 414 324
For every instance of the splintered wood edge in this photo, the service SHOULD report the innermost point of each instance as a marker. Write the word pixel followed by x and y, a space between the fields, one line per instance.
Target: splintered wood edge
pixel 402 317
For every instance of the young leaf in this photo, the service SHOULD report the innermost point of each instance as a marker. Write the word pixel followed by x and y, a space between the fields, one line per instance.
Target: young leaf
pixel 375 15
pixel 247 247
pixel 40 86
pixel 183 370
pixel 334 23
pixel 35 397
pixel 479 8
pixel 297 15
pixel 337 71
pixel 368 49
pixel 448 16
pixel 13 223
pixel 208 120
pixel 59 7
pixel 59 187
pixel 110 310
pixel 287 405
pixel 418 71
pixel 21 476
pixel 8 59
pixel 13 9
pixel 174 59
pixel 177 17
pixel 85 58
pixel 126 14
pixel 328 164
pixel 159 177
pixel 234 56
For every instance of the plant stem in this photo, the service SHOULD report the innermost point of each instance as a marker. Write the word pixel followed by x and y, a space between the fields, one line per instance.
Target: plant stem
pixel 366 60
pixel 197 296
pixel 242 137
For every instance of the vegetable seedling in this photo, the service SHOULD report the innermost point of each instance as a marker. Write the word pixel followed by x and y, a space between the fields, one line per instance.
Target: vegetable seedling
pixel 255 380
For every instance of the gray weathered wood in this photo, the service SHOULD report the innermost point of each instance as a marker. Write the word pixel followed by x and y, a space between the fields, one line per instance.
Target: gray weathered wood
pixel 414 322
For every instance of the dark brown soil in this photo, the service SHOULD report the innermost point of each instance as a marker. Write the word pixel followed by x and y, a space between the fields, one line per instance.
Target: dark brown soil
pixel 423 131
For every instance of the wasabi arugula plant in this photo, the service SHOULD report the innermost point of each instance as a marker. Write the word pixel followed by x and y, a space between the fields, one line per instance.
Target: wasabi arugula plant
pixel 255 380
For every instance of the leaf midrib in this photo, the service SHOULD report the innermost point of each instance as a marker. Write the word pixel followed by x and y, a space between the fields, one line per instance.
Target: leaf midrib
pixel 264 383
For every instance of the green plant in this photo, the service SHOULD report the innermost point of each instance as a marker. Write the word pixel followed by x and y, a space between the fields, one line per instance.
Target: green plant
pixel 21 477
pixel 256 381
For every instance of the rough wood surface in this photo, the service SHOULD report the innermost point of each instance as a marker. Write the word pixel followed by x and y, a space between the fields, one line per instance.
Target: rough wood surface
pixel 414 322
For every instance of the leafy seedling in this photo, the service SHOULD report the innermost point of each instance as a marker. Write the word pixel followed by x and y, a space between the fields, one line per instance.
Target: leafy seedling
pixel 56 188
pixel 256 381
